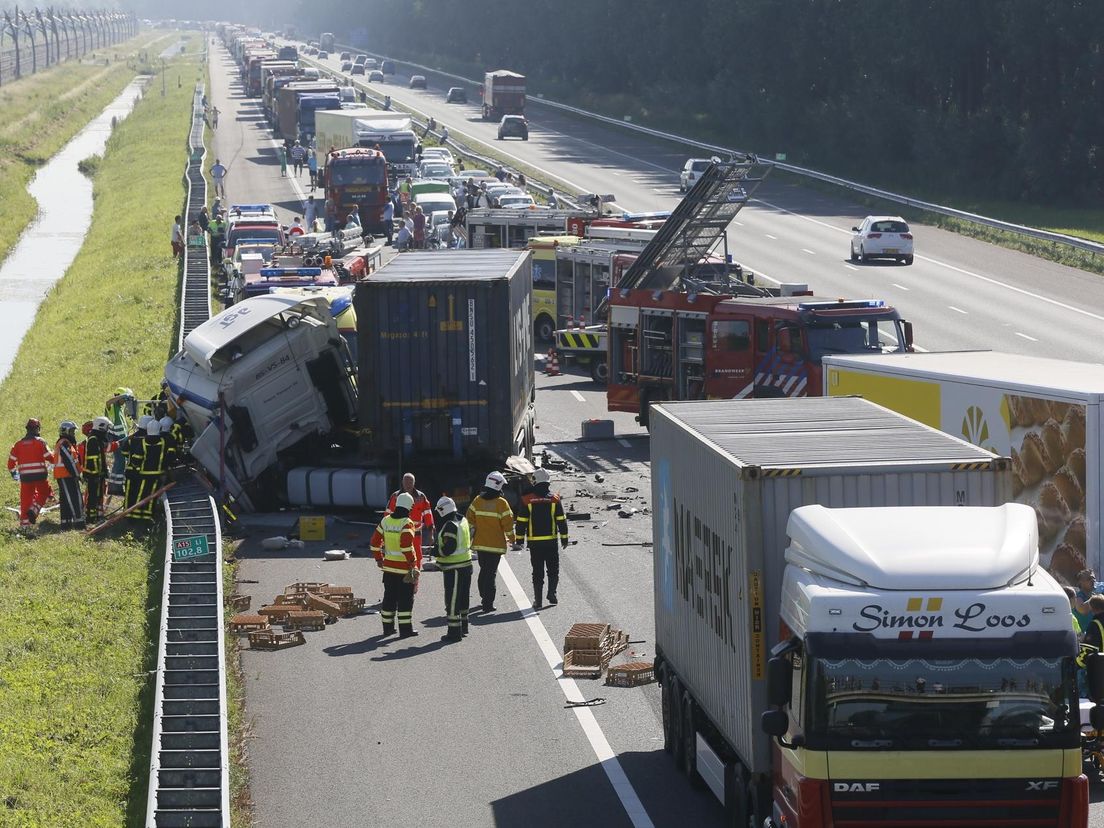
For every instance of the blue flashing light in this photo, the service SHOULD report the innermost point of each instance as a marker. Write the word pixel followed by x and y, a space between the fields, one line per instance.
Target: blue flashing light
pixel 268 272
pixel 250 208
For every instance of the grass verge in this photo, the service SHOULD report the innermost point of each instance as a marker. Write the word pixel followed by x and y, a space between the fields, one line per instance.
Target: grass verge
pixel 75 636
pixel 41 113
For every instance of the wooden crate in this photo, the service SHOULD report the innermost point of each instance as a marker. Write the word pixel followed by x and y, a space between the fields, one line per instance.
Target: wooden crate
pixel 278 613
pixel 618 642
pixel 297 599
pixel 272 640
pixel 244 623
pixel 240 603
pixel 632 674
pixel 306 620
pixel 586 637
pixel 333 592
pixel 573 666
pixel 348 605
pixel 305 586
pixel 317 602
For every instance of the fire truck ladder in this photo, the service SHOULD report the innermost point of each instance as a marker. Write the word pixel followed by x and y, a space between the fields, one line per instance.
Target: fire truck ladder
pixel 189 764
pixel 696 225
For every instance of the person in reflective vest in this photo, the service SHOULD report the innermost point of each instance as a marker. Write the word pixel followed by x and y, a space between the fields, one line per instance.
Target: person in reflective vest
pixel 421 513
pixel 393 549
pixel 94 466
pixel 67 475
pixel 455 562
pixel 29 462
pixel 492 522
pixel 540 521
pixel 1093 642
pixel 145 468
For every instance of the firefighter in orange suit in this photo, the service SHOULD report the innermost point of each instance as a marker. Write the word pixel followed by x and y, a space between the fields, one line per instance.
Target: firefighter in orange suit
pixel 29 462
pixel 67 475
pixel 421 513
pixel 393 549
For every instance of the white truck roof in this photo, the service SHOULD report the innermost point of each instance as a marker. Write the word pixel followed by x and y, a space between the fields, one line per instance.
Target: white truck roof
pixel 222 329
pixel 1026 373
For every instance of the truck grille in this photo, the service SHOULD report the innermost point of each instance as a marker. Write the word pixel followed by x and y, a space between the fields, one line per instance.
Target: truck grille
pixel 945 803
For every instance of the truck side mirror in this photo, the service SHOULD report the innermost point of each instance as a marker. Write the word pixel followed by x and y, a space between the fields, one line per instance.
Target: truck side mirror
pixel 908 335
pixel 775 723
pixel 779 681
pixel 1094 672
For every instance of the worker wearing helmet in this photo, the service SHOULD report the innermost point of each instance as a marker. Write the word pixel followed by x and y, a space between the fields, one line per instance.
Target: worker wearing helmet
pixel 29 462
pixel 67 475
pixel 492 522
pixel 393 548
pixel 540 521
pixel 421 513
pixel 94 452
pixel 145 469
pixel 455 562
pixel 118 408
pixel 172 441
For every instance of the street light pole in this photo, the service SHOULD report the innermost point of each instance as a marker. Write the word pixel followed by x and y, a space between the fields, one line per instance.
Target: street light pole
pixel 162 77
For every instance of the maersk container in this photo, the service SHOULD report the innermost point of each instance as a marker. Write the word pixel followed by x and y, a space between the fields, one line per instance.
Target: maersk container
pixel 446 357
pixel 725 477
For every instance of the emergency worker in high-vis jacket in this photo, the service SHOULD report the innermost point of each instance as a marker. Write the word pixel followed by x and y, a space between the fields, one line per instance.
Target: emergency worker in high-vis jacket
pixel 492 523
pixel 454 559
pixel 393 549
pixel 29 462
pixel 94 451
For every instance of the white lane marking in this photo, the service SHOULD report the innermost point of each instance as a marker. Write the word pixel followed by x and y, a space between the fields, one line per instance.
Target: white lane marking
pixel 850 267
pixel 769 236
pixel 957 310
pixel 738 223
pixel 1025 336
pixel 615 173
pixel 658 190
pixel 577 395
pixel 807 250
pixel 902 287
pixel 949 266
pixel 624 442
pixel 630 801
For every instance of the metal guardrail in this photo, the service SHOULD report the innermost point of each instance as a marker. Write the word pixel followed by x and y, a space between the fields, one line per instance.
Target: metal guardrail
pixel 189 763
pixel 885 195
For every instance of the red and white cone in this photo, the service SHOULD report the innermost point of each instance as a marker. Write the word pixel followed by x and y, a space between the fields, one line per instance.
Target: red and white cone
pixel 552 366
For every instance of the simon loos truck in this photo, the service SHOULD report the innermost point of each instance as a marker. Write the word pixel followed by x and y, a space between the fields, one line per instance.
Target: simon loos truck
pixel 852 625
pixel 445 342
pixel 1045 414
pixel 262 383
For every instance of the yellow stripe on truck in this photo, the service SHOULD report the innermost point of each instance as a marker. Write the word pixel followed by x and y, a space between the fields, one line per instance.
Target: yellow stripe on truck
pixel 913 398
pixel 935 764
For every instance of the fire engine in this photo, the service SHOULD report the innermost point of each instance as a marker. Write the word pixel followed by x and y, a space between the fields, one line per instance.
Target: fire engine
pixel 356 179
pixel 672 345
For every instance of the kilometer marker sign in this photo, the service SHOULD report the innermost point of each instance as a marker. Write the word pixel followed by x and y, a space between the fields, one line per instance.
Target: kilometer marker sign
pixel 194 546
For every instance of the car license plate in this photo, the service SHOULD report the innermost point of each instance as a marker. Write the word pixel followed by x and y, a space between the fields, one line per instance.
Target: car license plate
pixel 891 250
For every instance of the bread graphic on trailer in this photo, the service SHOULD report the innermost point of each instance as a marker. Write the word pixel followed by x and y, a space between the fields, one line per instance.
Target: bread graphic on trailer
pixel 1066 562
pixel 1055 445
pixel 1032 457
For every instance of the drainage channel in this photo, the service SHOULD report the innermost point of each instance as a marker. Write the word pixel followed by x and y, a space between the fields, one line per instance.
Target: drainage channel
pixel 189 768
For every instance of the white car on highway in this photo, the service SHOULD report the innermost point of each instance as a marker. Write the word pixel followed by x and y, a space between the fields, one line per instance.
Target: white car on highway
pixel 691 172
pixel 882 237
pixel 516 201
pixel 443 154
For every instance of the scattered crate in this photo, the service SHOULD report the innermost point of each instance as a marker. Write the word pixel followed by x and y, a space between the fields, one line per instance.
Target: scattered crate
pixel 574 668
pixel 305 586
pixel 278 613
pixel 586 637
pixel 306 620
pixel 240 603
pixel 619 641
pixel 317 602
pixel 632 674
pixel 243 623
pixel 593 644
pixel 298 599
pixel 272 640
pixel 333 592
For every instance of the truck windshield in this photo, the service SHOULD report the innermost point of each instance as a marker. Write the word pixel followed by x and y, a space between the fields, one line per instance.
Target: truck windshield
pixel 397 152
pixel 929 704
pixel 345 175
pixel 855 335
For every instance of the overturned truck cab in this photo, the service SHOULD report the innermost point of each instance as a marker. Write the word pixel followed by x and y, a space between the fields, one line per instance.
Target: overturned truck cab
pixel 262 383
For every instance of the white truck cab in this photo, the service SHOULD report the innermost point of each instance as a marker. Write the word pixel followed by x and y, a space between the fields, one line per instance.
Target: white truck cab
pixel 258 381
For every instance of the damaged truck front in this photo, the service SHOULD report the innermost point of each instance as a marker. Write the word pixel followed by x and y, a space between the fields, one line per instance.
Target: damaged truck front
pixel 264 384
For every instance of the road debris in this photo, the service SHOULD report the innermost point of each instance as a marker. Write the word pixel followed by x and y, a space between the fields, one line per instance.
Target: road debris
pixel 281 542
pixel 585 703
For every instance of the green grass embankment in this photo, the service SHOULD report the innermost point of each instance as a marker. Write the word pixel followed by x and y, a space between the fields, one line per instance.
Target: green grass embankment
pixel 41 112
pixel 79 620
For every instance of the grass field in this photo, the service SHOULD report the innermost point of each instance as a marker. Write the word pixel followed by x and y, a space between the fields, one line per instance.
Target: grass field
pixel 41 113
pixel 75 633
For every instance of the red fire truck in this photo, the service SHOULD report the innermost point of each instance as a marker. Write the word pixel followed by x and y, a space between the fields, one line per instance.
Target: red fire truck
pixel 356 179
pixel 672 345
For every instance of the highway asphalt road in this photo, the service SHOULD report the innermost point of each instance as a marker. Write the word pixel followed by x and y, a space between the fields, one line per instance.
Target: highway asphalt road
pixel 350 730
pixel 960 293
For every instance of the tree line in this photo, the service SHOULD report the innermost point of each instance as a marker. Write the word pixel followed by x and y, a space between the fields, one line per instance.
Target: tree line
pixel 988 98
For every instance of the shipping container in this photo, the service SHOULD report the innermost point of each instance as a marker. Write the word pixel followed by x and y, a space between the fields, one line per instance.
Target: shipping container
pixel 725 477
pixel 446 357
pixel 1045 414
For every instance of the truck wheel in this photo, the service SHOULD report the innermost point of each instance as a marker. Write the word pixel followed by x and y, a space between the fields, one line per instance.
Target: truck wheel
pixel 546 328
pixel 599 371
pixel 690 744
pixel 760 799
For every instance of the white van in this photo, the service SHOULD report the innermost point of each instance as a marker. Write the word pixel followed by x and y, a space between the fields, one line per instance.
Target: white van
pixel 434 202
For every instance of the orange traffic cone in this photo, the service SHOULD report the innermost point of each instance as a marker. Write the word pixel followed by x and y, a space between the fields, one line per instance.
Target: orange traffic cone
pixel 552 367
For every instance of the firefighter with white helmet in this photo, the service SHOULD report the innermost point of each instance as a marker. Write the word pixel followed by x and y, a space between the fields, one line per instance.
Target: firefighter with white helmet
pixel 146 455
pixel 67 475
pixel 541 520
pixel 172 441
pixel 454 559
pixel 94 452
pixel 393 549
pixel 492 522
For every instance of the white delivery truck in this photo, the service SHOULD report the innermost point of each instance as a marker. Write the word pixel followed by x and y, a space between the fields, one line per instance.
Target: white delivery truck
pixel 392 131
pixel 921 664
pixel 260 384
pixel 1045 414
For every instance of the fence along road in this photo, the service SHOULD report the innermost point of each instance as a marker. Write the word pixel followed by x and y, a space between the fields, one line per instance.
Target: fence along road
pixel 37 40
